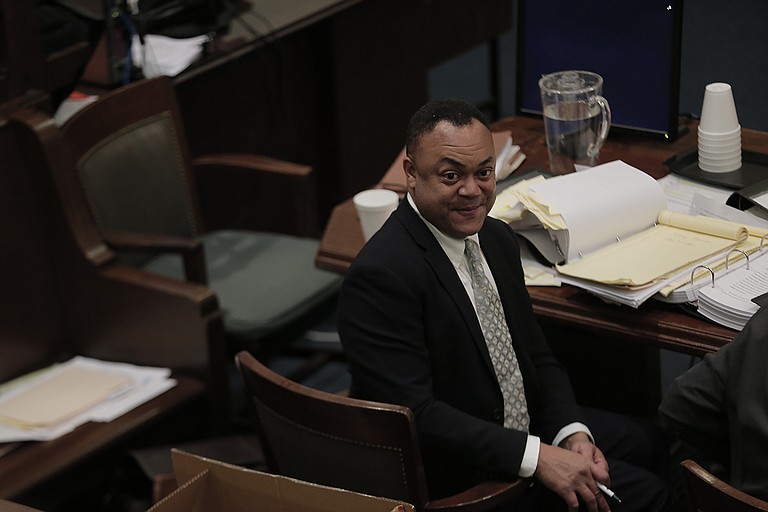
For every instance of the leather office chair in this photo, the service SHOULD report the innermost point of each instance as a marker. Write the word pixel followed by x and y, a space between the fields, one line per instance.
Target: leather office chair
pixel 134 165
pixel 352 444
pixel 707 493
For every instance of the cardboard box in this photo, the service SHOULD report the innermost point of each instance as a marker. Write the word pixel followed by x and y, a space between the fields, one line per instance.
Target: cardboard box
pixel 207 485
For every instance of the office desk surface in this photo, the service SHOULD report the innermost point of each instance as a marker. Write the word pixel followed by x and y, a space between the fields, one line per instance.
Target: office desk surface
pixel 663 325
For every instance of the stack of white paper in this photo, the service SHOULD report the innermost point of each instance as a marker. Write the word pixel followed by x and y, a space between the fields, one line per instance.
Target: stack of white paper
pixel 52 402
pixel 729 301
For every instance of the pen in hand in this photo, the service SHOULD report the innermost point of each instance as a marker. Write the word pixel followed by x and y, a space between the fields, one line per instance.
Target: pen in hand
pixel 608 492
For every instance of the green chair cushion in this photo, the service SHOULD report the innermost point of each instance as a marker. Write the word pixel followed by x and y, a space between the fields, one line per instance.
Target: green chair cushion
pixel 263 281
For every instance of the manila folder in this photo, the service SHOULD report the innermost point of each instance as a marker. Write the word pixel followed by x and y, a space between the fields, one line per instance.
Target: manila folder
pixel 60 397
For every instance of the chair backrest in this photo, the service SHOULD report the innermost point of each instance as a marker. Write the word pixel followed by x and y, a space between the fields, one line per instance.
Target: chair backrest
pixel 31 325
pixel 707 493
pixel 335 440
pixel 132 159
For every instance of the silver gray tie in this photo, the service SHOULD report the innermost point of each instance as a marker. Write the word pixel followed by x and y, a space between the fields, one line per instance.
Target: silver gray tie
pixel 499 341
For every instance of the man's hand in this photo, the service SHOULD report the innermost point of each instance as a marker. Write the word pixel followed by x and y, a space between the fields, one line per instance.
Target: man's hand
pixel 573 474
pixel 580 443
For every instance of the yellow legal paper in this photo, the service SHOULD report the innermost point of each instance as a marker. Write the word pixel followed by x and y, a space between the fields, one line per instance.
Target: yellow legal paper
pixel 676 242
pixel 61 397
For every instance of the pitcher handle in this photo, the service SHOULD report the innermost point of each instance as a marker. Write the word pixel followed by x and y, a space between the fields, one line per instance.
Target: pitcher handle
pixel 605 126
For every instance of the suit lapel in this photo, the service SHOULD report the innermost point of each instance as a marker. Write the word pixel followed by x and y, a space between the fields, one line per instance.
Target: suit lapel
pixel 446 274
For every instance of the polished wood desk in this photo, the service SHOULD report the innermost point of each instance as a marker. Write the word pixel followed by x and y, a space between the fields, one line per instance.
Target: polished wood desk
pixel 654 324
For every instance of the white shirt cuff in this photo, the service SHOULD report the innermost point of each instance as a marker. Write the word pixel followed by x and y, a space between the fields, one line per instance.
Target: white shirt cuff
pixel 571 429
pixel 530 457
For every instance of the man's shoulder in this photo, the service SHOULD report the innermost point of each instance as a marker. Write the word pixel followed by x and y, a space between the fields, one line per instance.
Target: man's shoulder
pixel 392 242
pixel 751 344
pixel 496 225
pixel 498 231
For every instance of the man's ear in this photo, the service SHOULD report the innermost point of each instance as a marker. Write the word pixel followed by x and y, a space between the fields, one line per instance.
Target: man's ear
pixel 410 171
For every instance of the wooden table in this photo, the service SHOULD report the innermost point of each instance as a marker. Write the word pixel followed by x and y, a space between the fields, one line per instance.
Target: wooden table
pixel 654 323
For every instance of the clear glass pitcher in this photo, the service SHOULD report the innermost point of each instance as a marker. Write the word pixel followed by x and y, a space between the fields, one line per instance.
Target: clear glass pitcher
pixel 576 118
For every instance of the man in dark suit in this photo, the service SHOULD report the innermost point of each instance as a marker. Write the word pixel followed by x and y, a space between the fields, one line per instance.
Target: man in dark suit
pixel 410 321
pixel 717 412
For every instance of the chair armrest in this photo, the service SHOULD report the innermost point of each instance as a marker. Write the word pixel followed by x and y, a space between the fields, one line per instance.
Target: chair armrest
pixel 122 313
pixel 481 497
pixel 190 249
pixel 160 319
pixel 240 190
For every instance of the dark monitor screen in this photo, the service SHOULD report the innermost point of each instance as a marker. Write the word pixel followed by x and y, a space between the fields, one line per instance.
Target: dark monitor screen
pixel 633 44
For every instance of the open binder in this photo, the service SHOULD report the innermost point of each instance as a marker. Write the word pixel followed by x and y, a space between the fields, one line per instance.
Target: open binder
pixel 607 230
pixel 731 299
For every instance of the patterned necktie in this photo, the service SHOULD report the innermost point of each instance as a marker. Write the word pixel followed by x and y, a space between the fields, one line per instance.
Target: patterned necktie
pixel 499 341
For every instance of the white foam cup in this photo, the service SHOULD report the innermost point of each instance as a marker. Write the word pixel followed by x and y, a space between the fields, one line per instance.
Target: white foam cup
pixel 703 134
pixel 718 111
pixel 374 207
pixel 724 165
pixel 720 169
pixel 720 146
pixel 709 165
pixel 720 155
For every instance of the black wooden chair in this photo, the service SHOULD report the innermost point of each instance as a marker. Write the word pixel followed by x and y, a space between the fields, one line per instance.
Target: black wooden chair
pixel 352 444
pixel 155 204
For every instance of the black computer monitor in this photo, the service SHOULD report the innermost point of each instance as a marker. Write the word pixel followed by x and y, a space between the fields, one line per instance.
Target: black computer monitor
pixel 633 44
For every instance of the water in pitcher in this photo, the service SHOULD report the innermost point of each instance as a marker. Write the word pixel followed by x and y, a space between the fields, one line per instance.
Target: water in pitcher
pixel 572 129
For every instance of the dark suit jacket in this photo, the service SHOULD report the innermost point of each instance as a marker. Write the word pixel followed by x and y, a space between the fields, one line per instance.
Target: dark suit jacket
pixel 411 337
pixel 718 410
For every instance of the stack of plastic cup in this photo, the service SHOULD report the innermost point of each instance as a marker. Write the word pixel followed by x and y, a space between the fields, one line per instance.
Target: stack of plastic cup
pixel 719 130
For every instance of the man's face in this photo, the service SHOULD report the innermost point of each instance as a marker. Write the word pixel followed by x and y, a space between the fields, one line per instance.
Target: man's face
pixel 451 178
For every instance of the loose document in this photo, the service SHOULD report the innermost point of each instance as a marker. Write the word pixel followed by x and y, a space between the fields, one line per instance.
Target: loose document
pixel 54 401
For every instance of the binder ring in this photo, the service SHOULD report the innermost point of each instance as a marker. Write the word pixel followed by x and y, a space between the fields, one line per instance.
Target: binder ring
pixel 762 241
pixel 728 257
pixel 693 272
